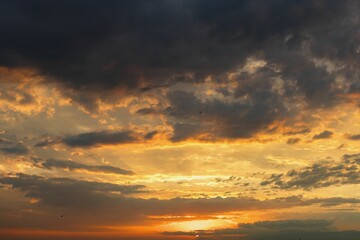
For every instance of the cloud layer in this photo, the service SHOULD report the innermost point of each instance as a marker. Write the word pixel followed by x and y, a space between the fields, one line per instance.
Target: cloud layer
pixel 319 175
pixel 313 229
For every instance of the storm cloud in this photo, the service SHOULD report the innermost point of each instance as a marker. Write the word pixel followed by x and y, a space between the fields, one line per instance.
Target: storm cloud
pixel 121 43
pixel 109 50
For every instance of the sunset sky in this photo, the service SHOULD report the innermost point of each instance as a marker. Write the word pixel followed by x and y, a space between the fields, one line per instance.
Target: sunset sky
pixel 180 119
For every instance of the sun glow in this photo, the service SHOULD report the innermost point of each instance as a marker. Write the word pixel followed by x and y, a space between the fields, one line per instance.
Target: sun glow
pixel 194 225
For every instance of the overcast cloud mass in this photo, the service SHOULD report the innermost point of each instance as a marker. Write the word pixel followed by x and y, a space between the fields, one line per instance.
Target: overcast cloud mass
pixel 179 119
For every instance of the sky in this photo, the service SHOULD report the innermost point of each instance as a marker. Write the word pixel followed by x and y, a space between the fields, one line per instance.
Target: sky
pixel 180 119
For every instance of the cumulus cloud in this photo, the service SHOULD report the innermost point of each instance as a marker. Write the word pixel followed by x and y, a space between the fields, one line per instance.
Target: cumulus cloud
pixel 319 175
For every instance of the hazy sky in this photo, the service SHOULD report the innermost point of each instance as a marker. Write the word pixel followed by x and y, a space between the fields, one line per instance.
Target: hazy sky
pixel 180 119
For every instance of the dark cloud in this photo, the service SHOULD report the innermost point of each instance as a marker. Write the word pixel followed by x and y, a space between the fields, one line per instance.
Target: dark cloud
pixel 319 175
pixel 88 203
pixel 150 135
pixel 19 149
pixel 8 146
pixel 136 46
pixel 67 192
pixel 45 143
pixel 99 138
pixel 301 131
pixel 293 141
pixel 214 119
pixel 183 131
pixel 312 229
pixel 107 50
pixel 119 43
pixel 353 136
pixel 335 201
pixel 323 135
pixel 73 166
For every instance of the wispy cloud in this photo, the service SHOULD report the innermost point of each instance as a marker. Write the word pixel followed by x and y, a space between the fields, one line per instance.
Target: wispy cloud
pixel 73 166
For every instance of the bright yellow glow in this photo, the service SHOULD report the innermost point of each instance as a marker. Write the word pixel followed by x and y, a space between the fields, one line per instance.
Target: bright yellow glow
pixel 194 225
